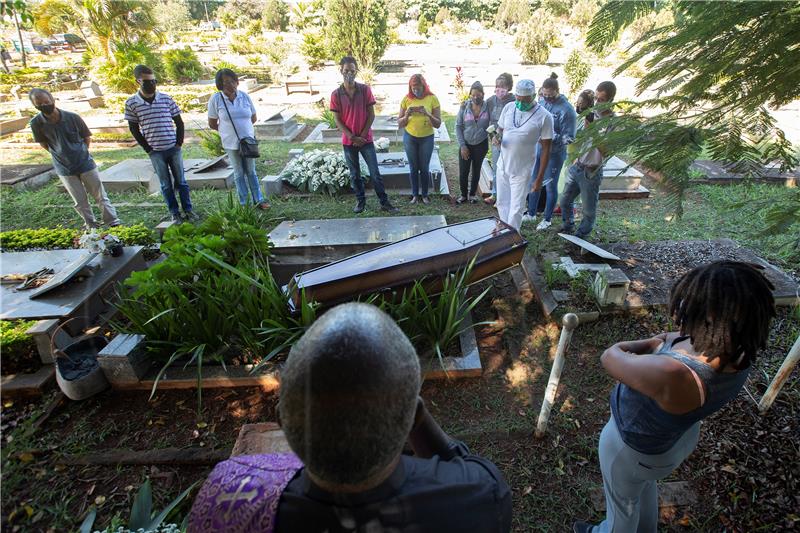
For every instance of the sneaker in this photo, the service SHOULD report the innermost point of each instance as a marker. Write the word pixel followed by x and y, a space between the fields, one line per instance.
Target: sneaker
pixel 177 218
pixel 527 218
pixel 115 224
pixel 263 205
pixel 414 199
pixel 544 224
pixel 579 526
pixel 461 200
pixel 426 200
pixel 191 216
pixel 490 199
pixel 473 199
pixel 389 208
pixel 359 208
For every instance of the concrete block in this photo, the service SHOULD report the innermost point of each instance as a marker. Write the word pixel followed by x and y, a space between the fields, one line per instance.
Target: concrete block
pixel 611 287
pixel 271 185
pixel 162 227
pixel 42 333
pixel 295 152
pixel 124 359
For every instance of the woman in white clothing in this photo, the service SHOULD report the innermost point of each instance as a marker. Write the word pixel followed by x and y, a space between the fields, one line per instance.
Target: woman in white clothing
pixel 522 124
pixel 232 113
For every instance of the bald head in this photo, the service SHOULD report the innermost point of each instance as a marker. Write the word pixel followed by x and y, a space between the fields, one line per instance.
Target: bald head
pixel 348 394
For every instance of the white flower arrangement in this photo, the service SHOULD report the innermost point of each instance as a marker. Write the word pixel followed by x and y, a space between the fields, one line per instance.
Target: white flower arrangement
pixel 320 171
pixel 98 243
pixel 491 129
pixel 382 143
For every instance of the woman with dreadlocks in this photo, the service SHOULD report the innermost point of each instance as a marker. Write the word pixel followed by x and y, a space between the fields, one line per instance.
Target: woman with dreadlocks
pixel 669 383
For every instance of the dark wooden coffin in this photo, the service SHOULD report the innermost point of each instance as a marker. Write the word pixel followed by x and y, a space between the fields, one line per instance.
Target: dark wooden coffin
pixel 431 254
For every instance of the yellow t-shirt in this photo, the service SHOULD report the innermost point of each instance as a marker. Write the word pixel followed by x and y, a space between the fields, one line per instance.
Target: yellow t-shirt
pixel 419 125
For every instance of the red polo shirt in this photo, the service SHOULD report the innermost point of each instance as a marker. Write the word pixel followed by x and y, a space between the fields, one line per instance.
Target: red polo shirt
pixel 353 111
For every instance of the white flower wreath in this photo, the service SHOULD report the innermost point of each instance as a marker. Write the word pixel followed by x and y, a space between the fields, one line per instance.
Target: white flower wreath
pixel 320 171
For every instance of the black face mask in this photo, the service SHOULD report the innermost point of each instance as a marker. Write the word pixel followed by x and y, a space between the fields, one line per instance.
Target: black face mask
pixel 149 86
pixel 47 109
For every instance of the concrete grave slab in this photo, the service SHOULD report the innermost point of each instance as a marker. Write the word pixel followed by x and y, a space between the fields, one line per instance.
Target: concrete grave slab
pixel 86 298
pixel 267 437
pixel 200 173
pixel 718 172
pixel 279 125
pixel 26 176
pixel 383 128
pixel 589 247
pixel 305 244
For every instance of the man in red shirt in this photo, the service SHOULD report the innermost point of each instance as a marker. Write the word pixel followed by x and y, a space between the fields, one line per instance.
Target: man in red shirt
pixel 353 108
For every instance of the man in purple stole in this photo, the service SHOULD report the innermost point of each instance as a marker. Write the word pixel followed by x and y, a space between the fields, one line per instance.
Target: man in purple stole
pixel 349 401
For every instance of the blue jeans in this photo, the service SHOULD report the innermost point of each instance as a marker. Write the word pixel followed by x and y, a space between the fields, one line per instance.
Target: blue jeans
pixel 550 182
pixel 418 151
pixel 166 162
pixel 245 177
pixel 580 181
pixel 367 151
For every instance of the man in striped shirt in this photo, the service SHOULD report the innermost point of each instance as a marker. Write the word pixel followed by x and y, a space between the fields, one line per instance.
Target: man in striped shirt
pixel 150 115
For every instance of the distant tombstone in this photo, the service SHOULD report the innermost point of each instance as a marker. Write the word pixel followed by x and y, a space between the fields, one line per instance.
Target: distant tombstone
pixel 91 89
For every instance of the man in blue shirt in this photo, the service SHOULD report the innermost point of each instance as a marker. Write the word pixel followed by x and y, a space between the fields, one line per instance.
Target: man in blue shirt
pixel 67 138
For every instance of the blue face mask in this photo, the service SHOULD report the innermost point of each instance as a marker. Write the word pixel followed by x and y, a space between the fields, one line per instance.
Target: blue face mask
pixel 418 92
pixel 524 106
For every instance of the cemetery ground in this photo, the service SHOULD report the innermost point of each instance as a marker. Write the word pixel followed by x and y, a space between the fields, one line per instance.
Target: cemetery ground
pixel 745 472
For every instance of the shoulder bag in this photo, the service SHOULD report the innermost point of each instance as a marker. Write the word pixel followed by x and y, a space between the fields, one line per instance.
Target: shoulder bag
pixel 248 146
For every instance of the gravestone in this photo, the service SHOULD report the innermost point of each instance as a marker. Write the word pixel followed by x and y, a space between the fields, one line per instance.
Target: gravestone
pixel 305 244
pixel 91 89
pixel 86 297
pixel 200 173
pixel 26 176
pixel 384 126
pixel 621 181
pixel 717 172
pixel 279 125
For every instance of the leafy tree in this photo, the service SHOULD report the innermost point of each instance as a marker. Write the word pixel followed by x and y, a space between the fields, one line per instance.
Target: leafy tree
pixel 117 73
pixel 357 28
pixel 577 70
pixel 534 38
pixel 276 15
pixel 511 13
pixel 717 69
pixel 173 16
pixel 583 12
pixel 238 13
pixel 17 10
pixel 123 21
pixel 182 65
pixel 204 9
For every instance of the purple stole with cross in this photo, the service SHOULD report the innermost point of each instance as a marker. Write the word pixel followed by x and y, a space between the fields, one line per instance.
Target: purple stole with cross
pixel 242 494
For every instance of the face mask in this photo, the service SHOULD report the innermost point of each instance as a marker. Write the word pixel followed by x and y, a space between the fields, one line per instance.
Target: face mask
pixel 500 92
pixel 46 109
pixel 551 99
pixel 478 100
pixel 148 86
pixel 349 77
pixel 418 92
pixel 524 106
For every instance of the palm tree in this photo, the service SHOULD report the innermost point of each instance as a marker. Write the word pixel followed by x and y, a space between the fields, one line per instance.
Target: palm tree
pixel 108 21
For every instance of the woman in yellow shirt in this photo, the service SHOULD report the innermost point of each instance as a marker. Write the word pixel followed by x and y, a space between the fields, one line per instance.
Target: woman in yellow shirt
pixel 420 114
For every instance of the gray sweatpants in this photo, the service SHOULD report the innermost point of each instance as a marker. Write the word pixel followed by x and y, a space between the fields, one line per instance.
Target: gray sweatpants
pixel 80 187
pixel 629 480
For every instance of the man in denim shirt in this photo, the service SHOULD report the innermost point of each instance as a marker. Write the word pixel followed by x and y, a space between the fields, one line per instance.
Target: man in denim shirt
pixel 586 173
pixel 564 125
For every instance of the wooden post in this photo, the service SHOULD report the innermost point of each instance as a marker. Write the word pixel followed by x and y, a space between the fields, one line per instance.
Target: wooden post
pixel 780 378
pixel 570 322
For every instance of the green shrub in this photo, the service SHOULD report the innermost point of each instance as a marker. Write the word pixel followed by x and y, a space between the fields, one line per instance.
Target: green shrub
pixel 328 118
pixel 534 38
pixel 512 13
pixel 14 342
pixel 117 75
pixel 210 142
pixel 243 45
pixel 423 26
pixel 313 49
pixel 577 70
pixel 64 238
pixel 582 13
pixel 357 28
pixel 182 65
pixel 276 15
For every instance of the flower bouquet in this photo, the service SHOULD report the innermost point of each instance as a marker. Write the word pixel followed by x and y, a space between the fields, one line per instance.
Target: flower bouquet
pixel 319 171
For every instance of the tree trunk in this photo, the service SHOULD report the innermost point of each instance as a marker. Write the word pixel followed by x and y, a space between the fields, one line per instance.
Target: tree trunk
pixel 19 34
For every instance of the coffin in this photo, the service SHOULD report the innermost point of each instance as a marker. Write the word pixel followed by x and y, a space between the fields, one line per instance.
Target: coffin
pixel 495 245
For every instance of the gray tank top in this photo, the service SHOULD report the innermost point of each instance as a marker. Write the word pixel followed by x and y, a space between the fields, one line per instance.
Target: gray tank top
pixel 647 428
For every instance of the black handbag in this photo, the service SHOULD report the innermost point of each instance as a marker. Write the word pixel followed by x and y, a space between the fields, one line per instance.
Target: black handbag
pixel 248 146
